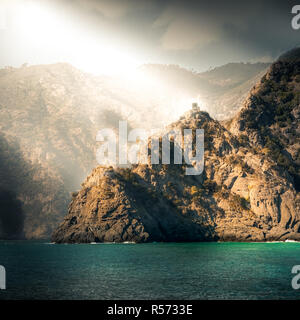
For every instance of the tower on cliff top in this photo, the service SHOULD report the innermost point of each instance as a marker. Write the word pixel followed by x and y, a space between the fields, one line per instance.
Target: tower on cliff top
pixel 195 107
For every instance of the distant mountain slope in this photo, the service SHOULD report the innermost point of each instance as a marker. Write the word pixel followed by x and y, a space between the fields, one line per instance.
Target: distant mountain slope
pixel 32 196
pixel 222 90
pixel 233 74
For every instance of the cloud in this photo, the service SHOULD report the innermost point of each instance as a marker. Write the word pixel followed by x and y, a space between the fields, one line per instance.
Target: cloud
pixel 194 33
pixel 187 27
pixel 198 24
pixel 112 9
pixel 183 34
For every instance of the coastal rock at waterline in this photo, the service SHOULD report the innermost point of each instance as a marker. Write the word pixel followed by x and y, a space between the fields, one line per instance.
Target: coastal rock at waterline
pixel 242 195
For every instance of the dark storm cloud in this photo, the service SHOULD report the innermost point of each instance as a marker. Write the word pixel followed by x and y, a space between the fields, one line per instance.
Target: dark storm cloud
pixel 213 31
pixel 216 32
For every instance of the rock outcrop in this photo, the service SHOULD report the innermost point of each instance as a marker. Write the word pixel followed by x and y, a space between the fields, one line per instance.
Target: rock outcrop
pixel 270 119
pixel 242 195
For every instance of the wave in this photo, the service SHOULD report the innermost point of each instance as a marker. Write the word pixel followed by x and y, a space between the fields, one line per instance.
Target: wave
pixel 125 242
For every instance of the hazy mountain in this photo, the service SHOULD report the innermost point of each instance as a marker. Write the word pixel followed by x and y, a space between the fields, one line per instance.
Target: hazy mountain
pixel 32 197
pixel 221 91
pixel 49 116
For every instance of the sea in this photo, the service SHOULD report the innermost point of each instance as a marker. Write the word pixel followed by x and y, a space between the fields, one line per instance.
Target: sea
pixel 176 271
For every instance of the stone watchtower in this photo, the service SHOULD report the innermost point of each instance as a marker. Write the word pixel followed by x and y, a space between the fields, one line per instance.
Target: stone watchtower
pixel 195 107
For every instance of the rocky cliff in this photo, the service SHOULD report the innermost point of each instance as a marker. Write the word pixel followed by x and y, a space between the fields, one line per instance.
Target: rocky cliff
pixel 270 119
pixel 246 192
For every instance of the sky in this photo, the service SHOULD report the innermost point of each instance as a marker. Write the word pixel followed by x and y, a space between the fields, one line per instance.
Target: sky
pixel 116 36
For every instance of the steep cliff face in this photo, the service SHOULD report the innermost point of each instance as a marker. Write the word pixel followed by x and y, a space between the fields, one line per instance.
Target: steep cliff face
pixel 270 119
pixel 242 195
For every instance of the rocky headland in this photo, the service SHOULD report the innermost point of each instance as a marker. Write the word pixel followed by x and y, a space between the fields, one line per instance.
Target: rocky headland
pixel 248 191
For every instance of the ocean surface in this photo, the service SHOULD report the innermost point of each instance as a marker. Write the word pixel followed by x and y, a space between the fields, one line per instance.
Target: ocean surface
pixel 40 270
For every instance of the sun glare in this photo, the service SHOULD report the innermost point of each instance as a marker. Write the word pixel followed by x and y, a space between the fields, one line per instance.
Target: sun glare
pixel 61 38
pixel 41 26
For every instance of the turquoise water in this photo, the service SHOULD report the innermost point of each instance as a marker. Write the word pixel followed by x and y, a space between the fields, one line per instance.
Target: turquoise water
pixel 38 270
